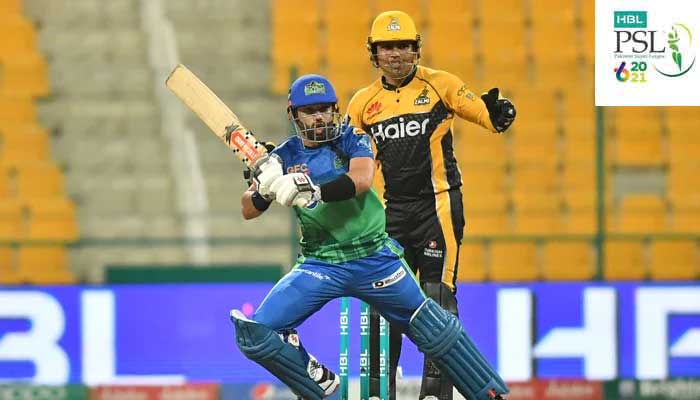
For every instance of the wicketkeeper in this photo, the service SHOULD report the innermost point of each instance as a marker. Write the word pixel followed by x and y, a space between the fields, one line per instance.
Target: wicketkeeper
pixel 409 113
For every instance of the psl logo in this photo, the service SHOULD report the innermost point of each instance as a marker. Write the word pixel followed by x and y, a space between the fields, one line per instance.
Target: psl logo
pixel 635 36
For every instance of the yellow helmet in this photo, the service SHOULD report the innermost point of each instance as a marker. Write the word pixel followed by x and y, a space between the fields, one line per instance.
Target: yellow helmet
pixel 392 26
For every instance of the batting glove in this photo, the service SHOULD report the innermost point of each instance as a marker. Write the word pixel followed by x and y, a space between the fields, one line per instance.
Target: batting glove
pixel 264 172
pixel 501 110
pixel 295 189
pixel 248 173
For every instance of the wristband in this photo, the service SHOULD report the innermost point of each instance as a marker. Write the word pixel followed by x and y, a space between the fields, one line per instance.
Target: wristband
pixel 339 189
pixel 259 201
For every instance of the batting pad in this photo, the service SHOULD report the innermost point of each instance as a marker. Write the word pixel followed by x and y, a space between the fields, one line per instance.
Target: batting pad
pixel 264 346
pixel 440 335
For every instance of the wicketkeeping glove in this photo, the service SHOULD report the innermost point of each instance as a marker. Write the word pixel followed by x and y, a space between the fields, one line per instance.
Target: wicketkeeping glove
pixel 295 189
pixel 501 110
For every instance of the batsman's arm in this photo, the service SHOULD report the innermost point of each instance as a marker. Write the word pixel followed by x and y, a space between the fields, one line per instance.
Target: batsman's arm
pixel 356 181
pixel 253 204
pixel 361 171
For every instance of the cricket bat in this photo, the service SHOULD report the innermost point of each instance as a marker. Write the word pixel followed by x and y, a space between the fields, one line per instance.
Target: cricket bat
pixel 215 114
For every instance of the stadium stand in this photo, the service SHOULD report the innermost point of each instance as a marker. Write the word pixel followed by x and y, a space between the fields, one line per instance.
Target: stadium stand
pixel 534 188
pixel 625 260
pixel 37 220
pixel 673 260
pixel 540 178
pixel 241 73
pixel 513 262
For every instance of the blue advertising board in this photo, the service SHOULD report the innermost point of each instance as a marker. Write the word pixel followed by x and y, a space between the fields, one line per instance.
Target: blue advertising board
pixel 176 333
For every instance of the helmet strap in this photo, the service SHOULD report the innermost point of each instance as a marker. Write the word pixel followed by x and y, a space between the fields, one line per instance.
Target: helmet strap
pixel 372 49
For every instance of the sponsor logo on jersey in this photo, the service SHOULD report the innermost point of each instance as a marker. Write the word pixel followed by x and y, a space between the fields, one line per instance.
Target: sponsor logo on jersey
pixel 317 275
pixel 390 280
pixel 298 168
pixel 374 109
pixel 463 91
pixel 431 250
pixel 400 129
pixel 422 98
pixel 393 25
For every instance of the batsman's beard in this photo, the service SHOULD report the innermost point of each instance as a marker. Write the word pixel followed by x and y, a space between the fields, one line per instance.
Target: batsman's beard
pixel 320 131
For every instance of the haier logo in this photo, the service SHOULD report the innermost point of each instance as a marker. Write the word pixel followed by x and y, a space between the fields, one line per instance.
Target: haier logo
pixel 399 129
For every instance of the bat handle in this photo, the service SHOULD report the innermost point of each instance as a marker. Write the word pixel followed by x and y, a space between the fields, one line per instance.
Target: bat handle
pixel 302 203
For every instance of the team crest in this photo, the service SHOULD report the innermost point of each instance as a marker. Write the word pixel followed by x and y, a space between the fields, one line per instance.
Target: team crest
pixel 314 87
pixel 422 98
pixel 393 25
pixel 338 163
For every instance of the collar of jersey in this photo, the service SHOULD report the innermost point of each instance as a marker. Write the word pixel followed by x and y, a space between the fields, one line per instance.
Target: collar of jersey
pixel 405 82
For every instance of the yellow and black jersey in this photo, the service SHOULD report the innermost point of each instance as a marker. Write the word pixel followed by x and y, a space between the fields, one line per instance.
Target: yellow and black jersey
pixel 412 129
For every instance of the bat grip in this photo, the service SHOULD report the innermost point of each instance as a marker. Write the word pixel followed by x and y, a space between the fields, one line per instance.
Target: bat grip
pixel 302 203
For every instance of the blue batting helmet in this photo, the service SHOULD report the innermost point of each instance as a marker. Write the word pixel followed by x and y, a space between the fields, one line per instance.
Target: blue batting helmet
pixel 311 89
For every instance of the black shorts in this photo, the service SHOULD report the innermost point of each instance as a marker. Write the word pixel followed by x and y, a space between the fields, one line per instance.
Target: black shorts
pixel 430 230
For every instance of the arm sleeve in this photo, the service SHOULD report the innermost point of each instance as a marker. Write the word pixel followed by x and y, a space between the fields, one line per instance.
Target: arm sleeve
pixel 463 101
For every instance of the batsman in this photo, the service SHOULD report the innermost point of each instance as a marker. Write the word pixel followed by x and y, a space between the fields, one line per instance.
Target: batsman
pixel 325 173
pixel 409 113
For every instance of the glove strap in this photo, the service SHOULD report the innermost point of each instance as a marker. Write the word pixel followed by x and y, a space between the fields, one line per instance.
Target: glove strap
pixel 304 185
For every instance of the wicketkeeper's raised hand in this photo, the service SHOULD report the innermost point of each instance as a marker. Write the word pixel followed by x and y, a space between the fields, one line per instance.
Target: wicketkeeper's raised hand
pixel 501 110
pixel 295 189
